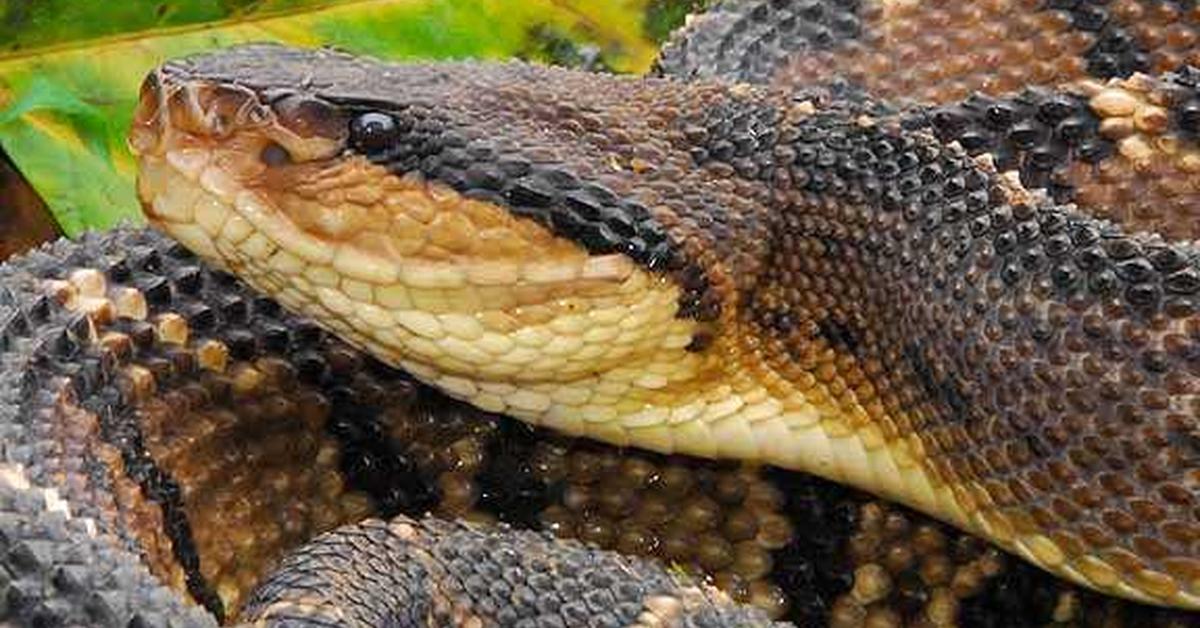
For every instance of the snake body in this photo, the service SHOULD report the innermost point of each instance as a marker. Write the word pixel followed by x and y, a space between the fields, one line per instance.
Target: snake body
pixel 168 435
pixel 828 237
pixel 808 274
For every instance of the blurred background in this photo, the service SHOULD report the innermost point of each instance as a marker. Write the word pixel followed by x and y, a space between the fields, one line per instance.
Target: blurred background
pixel 69 73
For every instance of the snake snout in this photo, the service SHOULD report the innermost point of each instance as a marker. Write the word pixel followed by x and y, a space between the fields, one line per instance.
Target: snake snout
pixel 147 126
pixel 169 107
pixel 177 111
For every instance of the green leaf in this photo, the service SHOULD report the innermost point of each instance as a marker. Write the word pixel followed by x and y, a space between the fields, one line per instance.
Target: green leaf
pixel 73 140
pixel 65 109
pixel 88 121
pixel 30 25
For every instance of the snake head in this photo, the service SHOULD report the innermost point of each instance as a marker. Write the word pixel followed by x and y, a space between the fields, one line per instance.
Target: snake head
pixel 453 220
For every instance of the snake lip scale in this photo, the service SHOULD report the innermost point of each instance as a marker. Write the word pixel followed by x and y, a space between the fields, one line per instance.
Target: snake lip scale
pixel 828 236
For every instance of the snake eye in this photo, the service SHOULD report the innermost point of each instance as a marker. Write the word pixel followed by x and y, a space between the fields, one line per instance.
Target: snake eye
pixel 373 131
pixel 275 155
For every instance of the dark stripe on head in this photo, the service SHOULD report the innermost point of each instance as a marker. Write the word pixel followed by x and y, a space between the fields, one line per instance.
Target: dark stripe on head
pixel 551 194
pixel 607 167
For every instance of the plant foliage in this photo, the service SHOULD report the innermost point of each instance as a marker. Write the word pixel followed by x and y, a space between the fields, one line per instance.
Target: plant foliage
pixel 70 71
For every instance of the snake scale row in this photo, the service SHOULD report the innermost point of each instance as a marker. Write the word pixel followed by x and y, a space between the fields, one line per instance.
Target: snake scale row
pixel 939 252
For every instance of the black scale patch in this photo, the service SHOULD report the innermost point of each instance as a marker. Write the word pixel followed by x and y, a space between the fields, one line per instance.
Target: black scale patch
pixel 582 211
pixel 1038 133
pixel 1184 86
pixel 1116 52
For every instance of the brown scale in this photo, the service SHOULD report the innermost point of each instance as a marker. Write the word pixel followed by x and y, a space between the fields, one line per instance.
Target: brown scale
pixel 943 50
pixel 1150 183
pixel 827 327
pixel 447 444
pixel 937 52
pixel 123 508
pixel 1021 489
pixel 258 473
pixel 623 500
pixel 244 441
pixel 983 462
pixel 1165 30
pixel 707 518
pixel 912 571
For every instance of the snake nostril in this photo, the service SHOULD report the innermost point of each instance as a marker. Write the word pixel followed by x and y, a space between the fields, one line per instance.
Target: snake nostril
pixel 149 97
pixel 183 110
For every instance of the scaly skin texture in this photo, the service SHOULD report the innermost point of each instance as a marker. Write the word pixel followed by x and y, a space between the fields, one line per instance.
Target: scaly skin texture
pixel 837 284
pixel 1104 134
pixel 88 391
pixel 438 573
pixel 168 435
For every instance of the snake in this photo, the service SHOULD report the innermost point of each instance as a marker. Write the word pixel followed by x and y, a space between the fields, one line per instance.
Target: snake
pixel 939 252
